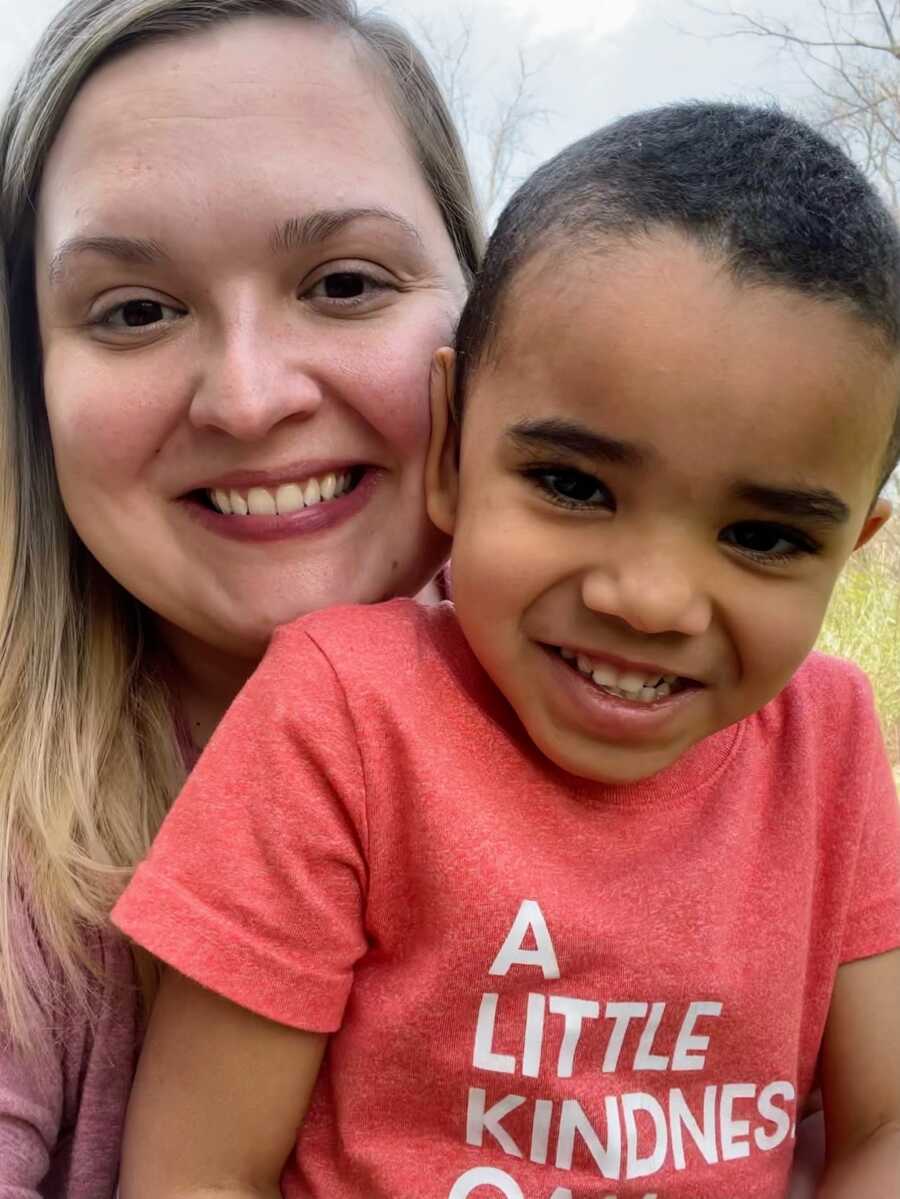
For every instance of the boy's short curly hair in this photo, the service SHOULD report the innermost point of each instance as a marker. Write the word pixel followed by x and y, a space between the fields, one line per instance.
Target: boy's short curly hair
pixel 773 198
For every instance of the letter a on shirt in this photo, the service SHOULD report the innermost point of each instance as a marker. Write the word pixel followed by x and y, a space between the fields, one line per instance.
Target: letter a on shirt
pixel 529 919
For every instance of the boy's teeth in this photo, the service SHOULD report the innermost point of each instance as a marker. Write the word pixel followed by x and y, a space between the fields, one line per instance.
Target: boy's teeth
pixel 626 684
pixel 632 682
pixel 605 676
pixel 289 497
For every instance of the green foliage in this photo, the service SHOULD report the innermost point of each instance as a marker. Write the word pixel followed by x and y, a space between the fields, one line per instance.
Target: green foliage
pixel 863 624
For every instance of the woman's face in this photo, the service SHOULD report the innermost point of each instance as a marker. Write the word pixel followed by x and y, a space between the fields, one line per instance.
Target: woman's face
pixel 241 278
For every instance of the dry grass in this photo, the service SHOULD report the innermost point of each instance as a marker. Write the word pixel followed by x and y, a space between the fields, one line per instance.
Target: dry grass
pixel 863 624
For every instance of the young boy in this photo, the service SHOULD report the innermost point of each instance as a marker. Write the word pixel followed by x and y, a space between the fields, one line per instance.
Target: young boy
pixel 586 874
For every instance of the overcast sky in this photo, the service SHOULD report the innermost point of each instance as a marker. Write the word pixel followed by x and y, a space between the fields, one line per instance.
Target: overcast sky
pixel 590 60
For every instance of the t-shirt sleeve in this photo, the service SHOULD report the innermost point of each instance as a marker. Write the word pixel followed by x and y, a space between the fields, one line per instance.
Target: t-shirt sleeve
pixel 256 884
pixel 873 917
pixel 31 1090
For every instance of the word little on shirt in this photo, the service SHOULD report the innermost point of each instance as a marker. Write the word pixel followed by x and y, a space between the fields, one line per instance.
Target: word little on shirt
pixel 629 1136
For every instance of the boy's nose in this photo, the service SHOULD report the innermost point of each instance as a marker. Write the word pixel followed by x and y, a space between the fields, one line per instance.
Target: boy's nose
pixel 651 593
pixel 252 380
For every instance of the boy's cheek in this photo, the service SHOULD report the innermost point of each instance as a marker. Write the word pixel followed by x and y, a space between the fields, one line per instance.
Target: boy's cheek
pixel 774 639
pixel 507 558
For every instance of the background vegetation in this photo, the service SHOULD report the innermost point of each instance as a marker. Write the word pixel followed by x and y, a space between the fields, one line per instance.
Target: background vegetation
pixel 864 625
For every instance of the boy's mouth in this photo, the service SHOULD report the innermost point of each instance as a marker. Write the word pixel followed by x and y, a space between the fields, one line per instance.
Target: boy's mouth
pixel 629 684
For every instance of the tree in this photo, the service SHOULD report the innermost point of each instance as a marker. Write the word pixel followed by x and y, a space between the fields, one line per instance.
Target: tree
pixel 849 51
pixel 493 100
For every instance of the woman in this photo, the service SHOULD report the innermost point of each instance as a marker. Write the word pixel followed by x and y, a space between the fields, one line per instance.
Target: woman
pixel 233 233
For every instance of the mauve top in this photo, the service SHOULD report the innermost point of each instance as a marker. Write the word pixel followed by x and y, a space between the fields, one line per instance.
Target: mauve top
pixel 62 1106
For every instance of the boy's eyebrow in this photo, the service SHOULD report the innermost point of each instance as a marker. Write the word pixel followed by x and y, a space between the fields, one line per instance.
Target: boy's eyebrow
pixel 136 251
pixel 317 226
pixel 554 434
pixel 817 503
pixel 291 234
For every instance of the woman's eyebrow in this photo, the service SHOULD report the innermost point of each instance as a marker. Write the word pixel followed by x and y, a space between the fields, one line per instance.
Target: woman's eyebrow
pixel 292 234
pixel 318 226
pixel 136 251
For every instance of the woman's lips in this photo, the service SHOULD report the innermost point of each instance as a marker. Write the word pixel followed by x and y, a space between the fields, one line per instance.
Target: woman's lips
pixel 322 514
pixel 273 477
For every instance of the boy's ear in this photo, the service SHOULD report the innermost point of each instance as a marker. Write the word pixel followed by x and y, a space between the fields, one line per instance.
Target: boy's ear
pixel 877 518
pixel 442 463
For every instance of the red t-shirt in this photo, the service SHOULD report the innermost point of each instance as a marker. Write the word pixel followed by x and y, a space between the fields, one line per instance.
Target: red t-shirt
pixel 540 987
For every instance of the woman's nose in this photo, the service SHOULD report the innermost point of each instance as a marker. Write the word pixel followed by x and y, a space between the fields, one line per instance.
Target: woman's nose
pixel 253 380
pixel 652 592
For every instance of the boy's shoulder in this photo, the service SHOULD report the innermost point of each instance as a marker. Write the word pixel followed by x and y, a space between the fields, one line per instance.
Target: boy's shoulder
pixel 826 708
pixel 394 637
pixel 396 662
pixel 824 684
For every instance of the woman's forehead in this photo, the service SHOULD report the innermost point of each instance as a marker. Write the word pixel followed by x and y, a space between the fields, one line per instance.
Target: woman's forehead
pixel 246 124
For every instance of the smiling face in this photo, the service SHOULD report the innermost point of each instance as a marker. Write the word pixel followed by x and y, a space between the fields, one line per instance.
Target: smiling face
pixel 661 475
pixel 241 278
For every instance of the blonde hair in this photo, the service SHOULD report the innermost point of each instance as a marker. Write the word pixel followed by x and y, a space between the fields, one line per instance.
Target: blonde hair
pixel 89 753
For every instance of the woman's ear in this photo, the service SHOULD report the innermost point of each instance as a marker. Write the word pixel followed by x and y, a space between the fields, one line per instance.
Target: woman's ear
pixel 442 463
pixel 877 518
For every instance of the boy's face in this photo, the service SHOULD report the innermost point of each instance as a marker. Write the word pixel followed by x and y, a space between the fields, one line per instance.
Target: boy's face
pixel 661 475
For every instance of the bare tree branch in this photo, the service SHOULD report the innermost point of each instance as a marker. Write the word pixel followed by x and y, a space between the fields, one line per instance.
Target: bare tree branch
pixel 494 124
pixel 755 26
pixel 884 20
pixel 854 77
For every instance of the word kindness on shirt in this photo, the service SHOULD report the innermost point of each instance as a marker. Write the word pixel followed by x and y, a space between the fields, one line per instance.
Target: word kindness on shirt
pixel 632 1134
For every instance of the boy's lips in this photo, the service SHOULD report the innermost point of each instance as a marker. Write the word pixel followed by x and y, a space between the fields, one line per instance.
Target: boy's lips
pixel 612 714
pixel 626 676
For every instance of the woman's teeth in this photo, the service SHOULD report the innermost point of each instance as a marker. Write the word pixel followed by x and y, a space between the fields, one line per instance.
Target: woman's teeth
pixel 289 497
pixel 624 684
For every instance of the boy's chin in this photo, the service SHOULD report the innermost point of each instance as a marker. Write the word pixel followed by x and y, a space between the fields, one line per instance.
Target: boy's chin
pixel 612 766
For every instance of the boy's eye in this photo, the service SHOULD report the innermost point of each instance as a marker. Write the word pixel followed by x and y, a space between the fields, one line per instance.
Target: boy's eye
pixel 763 539
pixel 572 487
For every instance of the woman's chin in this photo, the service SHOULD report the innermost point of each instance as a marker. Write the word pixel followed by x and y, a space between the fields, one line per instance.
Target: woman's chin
pixel 241 631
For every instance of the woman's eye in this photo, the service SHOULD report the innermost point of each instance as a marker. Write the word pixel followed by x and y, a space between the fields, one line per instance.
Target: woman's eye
pixel 347 288
pixel 763 539
pixel 138 314
pixel 573 488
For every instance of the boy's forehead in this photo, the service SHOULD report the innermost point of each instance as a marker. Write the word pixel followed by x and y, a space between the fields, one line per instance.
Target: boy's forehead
pixel 657 338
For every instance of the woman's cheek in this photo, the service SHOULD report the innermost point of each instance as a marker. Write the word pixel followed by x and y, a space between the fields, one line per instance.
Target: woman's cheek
pixel 104 423
pixel 393 386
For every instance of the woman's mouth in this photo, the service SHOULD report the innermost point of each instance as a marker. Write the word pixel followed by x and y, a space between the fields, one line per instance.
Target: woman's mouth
pixel 264 509
pixel 636 686
pixel 285 499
